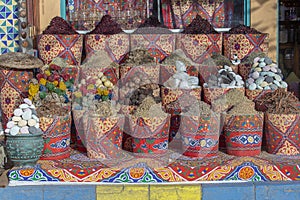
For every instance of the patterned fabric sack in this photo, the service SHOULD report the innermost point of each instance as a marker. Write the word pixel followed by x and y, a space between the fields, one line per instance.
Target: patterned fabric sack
pixel 150 135
pixel 68 47
pixel 57 133
pixel 244 44
pixel 16 71
pixel 116 45
pixel 199 47
pixel 158 45
pixel 282 134
pixel 14 85
pixel 243 134
pixel 200 135
pixel 184 96
pixel 104 137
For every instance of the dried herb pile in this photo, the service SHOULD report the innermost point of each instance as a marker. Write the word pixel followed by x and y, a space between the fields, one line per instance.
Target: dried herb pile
pixel 280 102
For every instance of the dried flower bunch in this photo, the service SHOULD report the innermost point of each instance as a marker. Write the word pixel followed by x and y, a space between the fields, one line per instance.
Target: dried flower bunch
pixel 280 102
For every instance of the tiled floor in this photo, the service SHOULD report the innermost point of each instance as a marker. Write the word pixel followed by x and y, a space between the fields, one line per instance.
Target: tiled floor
pixel 8 26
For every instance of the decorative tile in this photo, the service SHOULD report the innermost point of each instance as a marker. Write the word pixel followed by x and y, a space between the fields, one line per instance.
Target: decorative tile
pixel 9 38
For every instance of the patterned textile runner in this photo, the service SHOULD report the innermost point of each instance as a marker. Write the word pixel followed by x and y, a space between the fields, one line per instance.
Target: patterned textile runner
pixel 164 168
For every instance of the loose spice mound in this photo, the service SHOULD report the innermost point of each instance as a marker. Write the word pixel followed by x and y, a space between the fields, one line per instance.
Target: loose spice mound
pixel 200 25
pixel 59 26
pixel 228 100
pixel 250 58
pixel 137 57
pixel 149 109
pixel 178 55
pixel 197 109
pixel 221 60
pixel 52 105
pixel 143 92
pixel 246 107
pixel 152 25
pixel 107 26
pixel 242 29
pixel 280 102
pixel 106 109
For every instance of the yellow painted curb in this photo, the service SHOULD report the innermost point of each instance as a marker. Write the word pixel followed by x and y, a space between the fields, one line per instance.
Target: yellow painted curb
pixel 150 192
pixel 122 192
pixel 175 192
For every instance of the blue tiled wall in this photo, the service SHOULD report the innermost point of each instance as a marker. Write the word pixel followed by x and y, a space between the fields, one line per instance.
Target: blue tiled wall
pixel 8 26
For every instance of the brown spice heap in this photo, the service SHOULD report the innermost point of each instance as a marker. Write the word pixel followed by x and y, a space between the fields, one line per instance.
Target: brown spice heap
pixel 106 109
pixel 153 26
pixel 200 25
pixel 198 108
pixel 143 92
pixel 149 109
pixel 242 29
pixel 280 102
pixel 250 58
pixel 137 57
pixel 59 26
pixel 221 60
pixel 246 107
pixel 52 105
pixel 228 100
pixel 107 26
pixel 178 55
